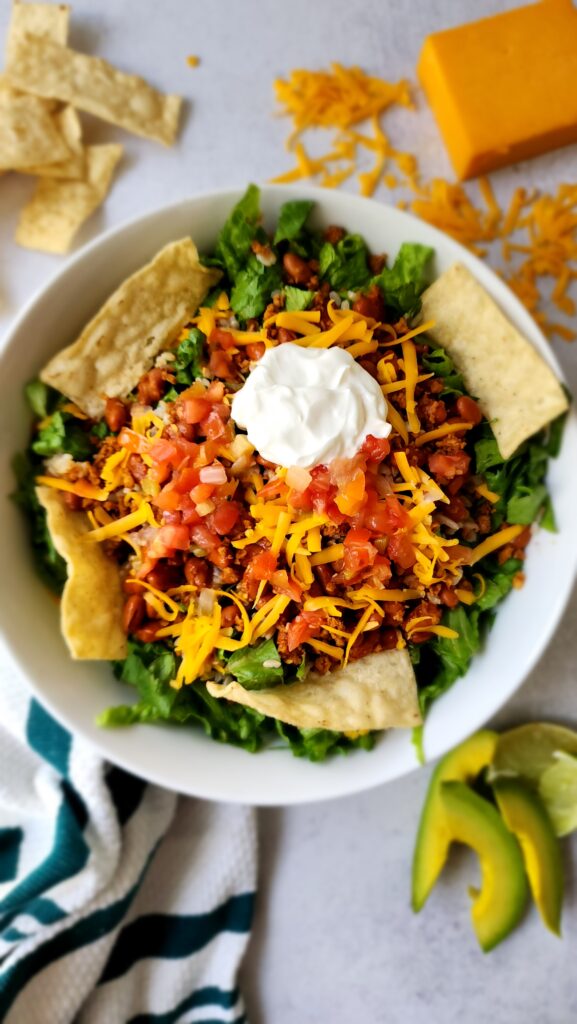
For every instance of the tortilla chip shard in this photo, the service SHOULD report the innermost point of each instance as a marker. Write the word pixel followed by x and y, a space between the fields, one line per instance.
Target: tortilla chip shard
pixel 92 599
pixel 137 322
pixel 40 66
pixel 376 692
pixel 516 389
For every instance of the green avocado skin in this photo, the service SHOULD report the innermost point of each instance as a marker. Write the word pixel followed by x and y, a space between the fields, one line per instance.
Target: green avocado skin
pixel 499 904
pixel 526 817
pixel 462 764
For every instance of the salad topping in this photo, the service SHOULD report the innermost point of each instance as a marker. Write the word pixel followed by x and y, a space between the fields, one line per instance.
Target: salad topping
pixel 296 399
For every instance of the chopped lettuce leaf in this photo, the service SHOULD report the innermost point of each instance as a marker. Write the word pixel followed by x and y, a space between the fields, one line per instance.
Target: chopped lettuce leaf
pixel 187 365
pixel 233 245
pixel 253 287
pixel 345 265
pixel 487 454
pixel 258 667
pixel 297 298
pixel 440 363
pixel 524 506
pixel 292 219
pixel 40 398
pixel 403 283
pixel 62 434
pixel 498 581
pixel 150 667
pixel 49 565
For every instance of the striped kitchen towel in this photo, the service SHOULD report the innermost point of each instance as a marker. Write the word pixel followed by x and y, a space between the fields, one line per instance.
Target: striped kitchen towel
pixel 120 902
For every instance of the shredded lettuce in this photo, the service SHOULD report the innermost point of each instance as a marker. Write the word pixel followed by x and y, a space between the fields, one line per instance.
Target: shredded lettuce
pixel 403 283
pixel 252 288
pixel 150 667
pixel 440 363
pixel 49 565
pixel 297 298
pixel 292 219
pixel 187 365
pixel 233 245
pixel 345 265
pixel 62 433
pixel 258 667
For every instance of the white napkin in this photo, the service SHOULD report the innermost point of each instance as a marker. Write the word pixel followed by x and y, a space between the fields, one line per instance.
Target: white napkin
pixel 120 902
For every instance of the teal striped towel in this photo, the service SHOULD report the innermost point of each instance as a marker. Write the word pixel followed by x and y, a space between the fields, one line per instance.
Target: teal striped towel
pixel 120 902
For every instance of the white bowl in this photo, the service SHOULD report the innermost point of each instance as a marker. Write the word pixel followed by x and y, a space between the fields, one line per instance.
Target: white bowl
pixel 183 758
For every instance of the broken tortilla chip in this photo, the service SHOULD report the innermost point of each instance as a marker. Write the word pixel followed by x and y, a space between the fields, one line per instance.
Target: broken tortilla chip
pixel 516 390
pixel 74 165
pixel 59 207
pixel 50 21
pixel 45 68
pixel 92 599
pixel 28 133
pixel 139 319
pixel 376 692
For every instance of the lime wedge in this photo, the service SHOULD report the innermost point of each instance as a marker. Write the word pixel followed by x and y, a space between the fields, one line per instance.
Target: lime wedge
pixel 529 750
pixel 558 791
pixel 545 756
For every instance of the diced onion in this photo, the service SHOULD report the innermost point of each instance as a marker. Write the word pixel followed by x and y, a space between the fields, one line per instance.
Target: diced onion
pixel 214 474
pixel 298 478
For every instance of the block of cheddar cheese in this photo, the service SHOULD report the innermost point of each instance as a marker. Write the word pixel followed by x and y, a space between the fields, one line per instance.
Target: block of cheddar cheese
pixel 504 88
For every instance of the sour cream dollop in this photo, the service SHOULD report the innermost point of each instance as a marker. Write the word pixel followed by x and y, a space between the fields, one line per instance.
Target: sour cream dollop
pixel 307 406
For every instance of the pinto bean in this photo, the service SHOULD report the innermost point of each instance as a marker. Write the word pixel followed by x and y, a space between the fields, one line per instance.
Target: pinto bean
pixel 115 414
pixel 197 572
pixel 133 613
pixel 73 501
pixel 297 268
pixel 469 410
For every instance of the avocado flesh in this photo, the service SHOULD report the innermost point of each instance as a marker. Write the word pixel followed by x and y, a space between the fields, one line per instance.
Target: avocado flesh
pixel 499 904
pixel 525 816
pixel 462 764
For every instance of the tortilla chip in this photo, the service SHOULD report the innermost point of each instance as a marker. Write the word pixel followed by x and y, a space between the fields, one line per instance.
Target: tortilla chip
pixel 377 692
pixel 517 391
pixel 139 319
pixel 28 133
pixel 58 208
pixel 68 125
pixel 50 21
pixel 45 68
pixel 92 599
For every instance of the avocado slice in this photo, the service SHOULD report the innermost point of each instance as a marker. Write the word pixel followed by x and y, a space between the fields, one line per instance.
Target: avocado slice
pixel 462 764
pixel 499 904
pixel 525 815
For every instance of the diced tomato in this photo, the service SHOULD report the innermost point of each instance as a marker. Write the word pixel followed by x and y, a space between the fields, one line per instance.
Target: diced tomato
pixel 225 518
pixel 352 495
pixel 195 409
pixel 170 538
pixel 356 537
pixel 168 499
pixel 359 552
pixel 386 516
pixel 263 565
pixel 306 626
pixel 202 492
pixel 272 489
pixel 322 490
pixel 215 391
pixel 375 448
pixel 164 451
pixel 185 479
pixel 301 500
pixel 282 583
pixel 219 364
pixel 255 351
pixel 401 550
pixel 221 337
pixel 202 537
pixel 447 467
pixel 213 426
